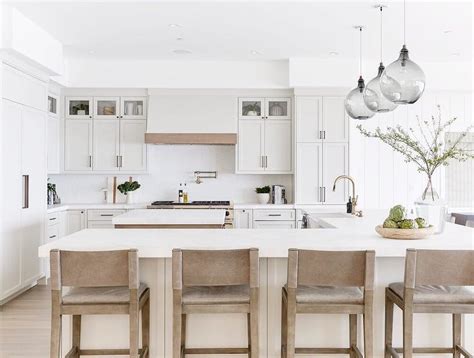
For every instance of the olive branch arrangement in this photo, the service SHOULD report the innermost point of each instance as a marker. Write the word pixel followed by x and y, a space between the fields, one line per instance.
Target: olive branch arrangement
pixel 428 152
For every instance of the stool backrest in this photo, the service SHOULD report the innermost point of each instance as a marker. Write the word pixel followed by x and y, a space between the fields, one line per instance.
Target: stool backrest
pixel 94 268
pixel 215 267
pixel 331 268
pixel 439 267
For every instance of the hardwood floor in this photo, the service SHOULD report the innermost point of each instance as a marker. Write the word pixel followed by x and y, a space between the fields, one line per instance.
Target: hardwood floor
pixel 25 325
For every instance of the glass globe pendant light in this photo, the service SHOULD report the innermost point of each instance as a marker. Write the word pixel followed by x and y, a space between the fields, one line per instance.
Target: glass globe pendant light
pixel 403 81
pixel 373 97
pixel 354 102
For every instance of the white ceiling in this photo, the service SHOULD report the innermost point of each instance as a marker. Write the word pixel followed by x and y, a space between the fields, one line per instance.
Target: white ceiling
pixel 232 30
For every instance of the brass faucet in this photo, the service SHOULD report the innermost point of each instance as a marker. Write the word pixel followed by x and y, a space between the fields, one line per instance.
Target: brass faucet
pixel 354 196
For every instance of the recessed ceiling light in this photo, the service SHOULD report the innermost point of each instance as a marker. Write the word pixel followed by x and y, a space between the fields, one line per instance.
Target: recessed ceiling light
pixel 455 54
pixel 175 25
pixel 333 53
pixel 91 52
pixel 179 38
pixel 182 52
pixel 255 53
pixel 447 31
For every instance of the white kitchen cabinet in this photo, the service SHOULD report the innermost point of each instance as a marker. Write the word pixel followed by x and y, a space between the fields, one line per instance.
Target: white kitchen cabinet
pixel 317 165
pixel 308 119
pixel 79 107
pixel 309 177
pixel 251 108
pixel 106 107
pixel 78 145
pixel 274 225
pixel 321 119
pixel 75 221
pixel 277 108
pixel 133 107
pixel 335 121
pixel 277 146
pixel 250 147
pixel 243 219
pixel 53 145
pixel 133 154
pixel 264 145
pixel 105 145
pixel 23 204
pixel 335 163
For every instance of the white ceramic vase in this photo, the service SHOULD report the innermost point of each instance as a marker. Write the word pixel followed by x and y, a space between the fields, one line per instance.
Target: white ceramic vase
pixel 130 197
pixel 263 198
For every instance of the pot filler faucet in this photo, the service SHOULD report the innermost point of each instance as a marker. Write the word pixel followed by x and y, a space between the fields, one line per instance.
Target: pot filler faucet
pixel 354 196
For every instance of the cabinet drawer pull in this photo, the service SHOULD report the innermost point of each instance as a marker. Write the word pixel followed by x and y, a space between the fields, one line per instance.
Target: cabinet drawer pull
pixel 274 214
pixel 90 161
pixel 52 236
pixel 51 219
pixel 25 192
pixel 106 214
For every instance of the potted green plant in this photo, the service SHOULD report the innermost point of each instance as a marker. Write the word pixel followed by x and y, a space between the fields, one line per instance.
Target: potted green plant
pixel 127 188
pixel 79 109
pixel 263 194
pixel 429 147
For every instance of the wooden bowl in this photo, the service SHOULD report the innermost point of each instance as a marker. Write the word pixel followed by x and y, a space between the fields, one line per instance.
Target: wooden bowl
pixel 405 234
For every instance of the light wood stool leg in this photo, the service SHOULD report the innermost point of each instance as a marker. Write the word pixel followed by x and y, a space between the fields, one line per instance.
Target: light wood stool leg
pixel 134 323
pixel 284 326
pixel 369 325
pixel 177 322
pixel 352 334
pixel 249 339
pixel 291 326
pixel 183 334
pixel 55 331
pixel 146 327
pixel 407 332
pixel 456 335
pixel 388 325
pixel 76 333
pixel 254 323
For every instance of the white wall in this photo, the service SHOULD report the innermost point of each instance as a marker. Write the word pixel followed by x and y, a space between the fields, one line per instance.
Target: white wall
pixel 309 72
pixel 170 165
pixel 382 177
pixel 22 37
pixel 83 72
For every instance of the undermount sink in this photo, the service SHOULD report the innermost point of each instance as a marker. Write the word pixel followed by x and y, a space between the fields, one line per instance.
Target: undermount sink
pixel 316 220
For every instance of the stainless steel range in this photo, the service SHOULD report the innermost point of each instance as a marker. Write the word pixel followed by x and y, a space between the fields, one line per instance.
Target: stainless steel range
pixel 223 205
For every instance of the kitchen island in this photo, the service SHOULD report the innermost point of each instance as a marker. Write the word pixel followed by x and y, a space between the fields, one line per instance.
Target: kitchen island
pixel 341 233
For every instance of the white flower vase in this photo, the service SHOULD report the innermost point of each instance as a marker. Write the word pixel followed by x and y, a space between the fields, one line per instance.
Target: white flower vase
pixel 263 198
pixel 130 197
pixel 432 208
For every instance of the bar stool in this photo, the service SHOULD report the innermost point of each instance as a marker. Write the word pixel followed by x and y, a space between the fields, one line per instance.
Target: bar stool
pixel 434 283
pixel 217 281
pixel 100 282
pixel 329 282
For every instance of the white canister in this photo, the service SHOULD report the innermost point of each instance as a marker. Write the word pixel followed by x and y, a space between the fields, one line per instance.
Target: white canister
pixel 130 108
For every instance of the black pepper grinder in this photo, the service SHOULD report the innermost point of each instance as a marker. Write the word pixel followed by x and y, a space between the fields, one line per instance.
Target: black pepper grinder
pixel 349 206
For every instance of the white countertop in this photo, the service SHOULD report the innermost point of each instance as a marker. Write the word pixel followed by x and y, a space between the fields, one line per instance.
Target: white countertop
pixel 123 206
pixel 171 217
pixel 351 233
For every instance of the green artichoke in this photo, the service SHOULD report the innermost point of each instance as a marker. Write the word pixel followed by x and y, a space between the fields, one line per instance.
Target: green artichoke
pixel 421 222
pixel 397 213
pixel 390 224
pixel 408 224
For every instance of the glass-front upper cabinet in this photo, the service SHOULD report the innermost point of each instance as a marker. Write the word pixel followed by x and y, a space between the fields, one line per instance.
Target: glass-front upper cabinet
pixel 251 108
pixel 106 107
pixel 133 107
pixel 78 107
pixel 53 105
pixel 277 108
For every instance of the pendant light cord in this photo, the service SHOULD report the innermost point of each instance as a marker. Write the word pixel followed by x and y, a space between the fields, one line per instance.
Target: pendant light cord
pixel 360 51
pixel 404 22
pixel 381 34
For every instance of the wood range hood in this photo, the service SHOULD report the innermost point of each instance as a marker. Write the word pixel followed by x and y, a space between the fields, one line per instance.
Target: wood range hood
pixel 191 138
